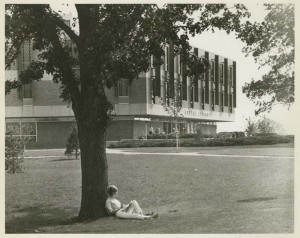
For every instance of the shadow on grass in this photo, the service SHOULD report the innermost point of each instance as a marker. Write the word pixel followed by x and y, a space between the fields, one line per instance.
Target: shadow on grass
pixel 261 199
pixel 32 219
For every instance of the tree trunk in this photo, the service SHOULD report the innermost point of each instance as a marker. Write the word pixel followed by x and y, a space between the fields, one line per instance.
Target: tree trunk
pixel 13 165
pixel 177 134
pixel 92 140
pixel 92 115
pixel 76 153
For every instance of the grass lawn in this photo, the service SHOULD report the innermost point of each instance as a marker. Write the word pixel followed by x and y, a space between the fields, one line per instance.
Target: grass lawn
pixel 192 194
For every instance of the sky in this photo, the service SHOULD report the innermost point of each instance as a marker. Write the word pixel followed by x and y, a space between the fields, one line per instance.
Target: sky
pixel 226 45
pixel 221 43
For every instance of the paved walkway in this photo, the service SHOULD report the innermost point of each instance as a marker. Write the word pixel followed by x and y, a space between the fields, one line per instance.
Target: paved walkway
pixel 232 152
pixel 118 151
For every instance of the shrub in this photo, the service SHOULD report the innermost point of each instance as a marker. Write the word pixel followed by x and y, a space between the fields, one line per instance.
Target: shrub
pixel 190 142
pixel 72 146
pixel 14 148
pixel 265 134
pixel 173 136
pixel 199 135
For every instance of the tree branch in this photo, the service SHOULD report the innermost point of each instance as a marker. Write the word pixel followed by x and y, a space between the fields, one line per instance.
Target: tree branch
pixel 11 59
pixel 65 68
pixel 73 36
pixel 68 78
pixel 10 85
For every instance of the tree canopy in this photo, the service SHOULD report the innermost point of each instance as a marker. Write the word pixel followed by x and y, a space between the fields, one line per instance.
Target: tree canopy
pixel 120 44
pixel 272 43
pixel 114 42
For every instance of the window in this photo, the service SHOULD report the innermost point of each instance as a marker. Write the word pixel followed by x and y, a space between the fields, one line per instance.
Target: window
pixel 123 88
pixel 207 86
pixel 226 99
pixel 179 94
pixel 233 100
pixel 231 75
pixel 167 92
pixel 184 84
pixel 230 102
pixel 152 97
pixel 167 127
pixel 222 73
pixel 222 102
pixel 166 58
pixel 27 129
pixel 25 91
pixel 25 56
pixel 212 100
pixel 179 64
pixel 192 96
pixel 196 85
pixel 202 98
pixel 212 70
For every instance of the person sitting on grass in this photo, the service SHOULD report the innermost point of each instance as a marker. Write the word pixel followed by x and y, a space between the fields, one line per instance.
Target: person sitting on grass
pixel 131 210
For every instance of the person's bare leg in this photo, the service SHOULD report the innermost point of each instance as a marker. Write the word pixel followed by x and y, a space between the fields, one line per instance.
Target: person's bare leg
pixel 127 215
pixel 137 207
pixel 134 207
pixel 130 209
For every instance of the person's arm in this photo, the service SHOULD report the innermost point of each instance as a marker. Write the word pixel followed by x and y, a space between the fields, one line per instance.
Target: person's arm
pixel 125 207
pixel 109 208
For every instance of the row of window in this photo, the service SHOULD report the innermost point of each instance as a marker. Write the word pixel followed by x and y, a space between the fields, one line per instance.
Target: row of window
pixel 221 73
pixel 216 98
pixel 178 66
pixel 227 98
pixel 217 79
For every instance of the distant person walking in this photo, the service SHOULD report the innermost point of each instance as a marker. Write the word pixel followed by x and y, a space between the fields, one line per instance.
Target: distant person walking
pixel 157 130
pixel 151 130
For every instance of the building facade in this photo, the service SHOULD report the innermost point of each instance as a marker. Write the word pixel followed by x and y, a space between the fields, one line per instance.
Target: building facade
pixel 138 111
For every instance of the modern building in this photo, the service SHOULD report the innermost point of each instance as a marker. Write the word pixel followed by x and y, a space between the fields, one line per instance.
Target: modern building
pixel 206 100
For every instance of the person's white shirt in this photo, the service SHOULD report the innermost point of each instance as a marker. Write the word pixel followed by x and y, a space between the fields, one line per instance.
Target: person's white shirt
pixel 113 205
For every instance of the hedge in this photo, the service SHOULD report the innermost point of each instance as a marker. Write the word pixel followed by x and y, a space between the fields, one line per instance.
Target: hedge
pixel 173 136
pixel 259 140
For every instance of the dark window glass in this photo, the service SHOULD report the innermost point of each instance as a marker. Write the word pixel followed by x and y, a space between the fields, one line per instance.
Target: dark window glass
pixel 192 97
pixel 212 70
pixel 202 98
pixel 222 73
pixel 25 56
pixel 212 100
pixel 196 90
pixel 27 90
pixel 179 65
pixel 123 87
pixel 231 76
pixel 222 102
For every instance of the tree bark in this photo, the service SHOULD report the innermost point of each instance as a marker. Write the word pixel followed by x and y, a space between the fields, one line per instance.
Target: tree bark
pixel 91 112
pixel 92 122
pixel 94 172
